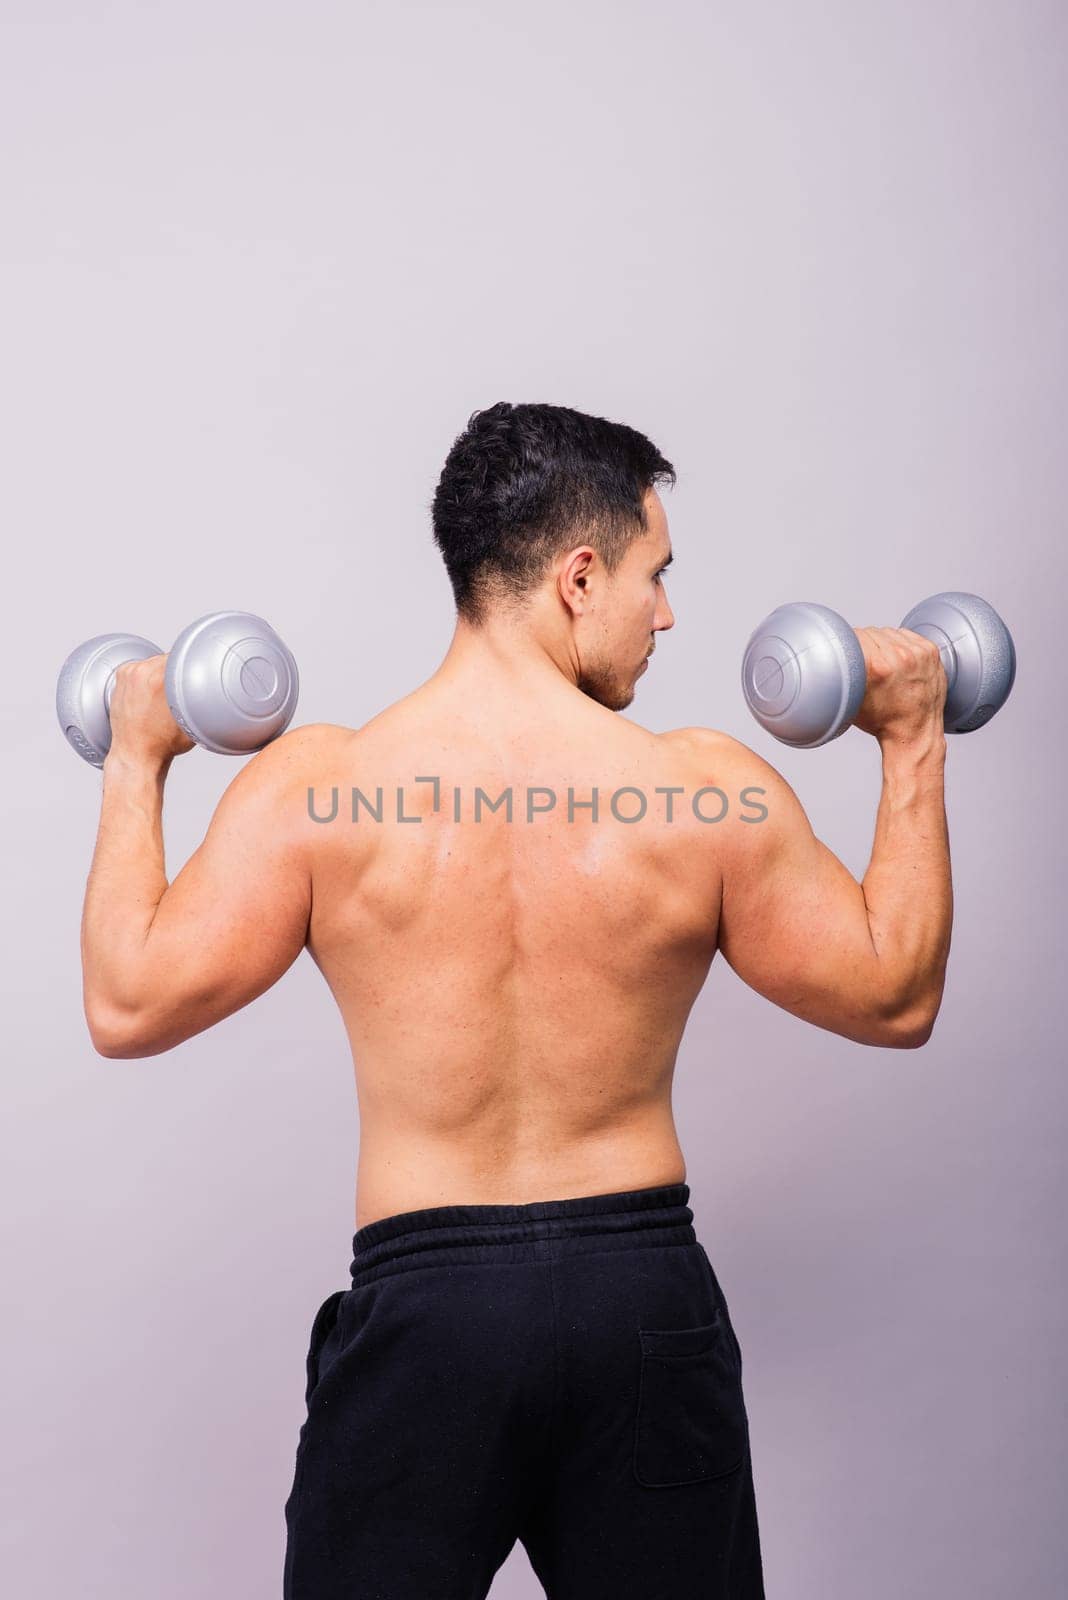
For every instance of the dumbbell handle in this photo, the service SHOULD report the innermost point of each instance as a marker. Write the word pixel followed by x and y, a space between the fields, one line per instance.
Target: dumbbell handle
pixel 109 687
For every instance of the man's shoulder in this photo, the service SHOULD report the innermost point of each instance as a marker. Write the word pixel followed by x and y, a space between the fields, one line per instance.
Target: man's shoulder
pixel 290 782
pixel 313 735
pixel 310 738
pixel 702 743
pixel 711 757
pixel 300 755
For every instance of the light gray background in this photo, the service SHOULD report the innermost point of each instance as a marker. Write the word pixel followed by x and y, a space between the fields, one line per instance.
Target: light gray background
pixel 260 262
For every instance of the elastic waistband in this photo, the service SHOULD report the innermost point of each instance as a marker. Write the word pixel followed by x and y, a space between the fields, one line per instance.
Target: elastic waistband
pixel 662 1215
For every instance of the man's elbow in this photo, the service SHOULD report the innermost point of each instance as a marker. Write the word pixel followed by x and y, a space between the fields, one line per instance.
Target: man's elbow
pixel 118 1035
pixel 130 1033
pixel 911 1029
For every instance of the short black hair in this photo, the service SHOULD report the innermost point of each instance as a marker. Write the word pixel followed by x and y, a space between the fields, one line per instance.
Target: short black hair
pixel 522 481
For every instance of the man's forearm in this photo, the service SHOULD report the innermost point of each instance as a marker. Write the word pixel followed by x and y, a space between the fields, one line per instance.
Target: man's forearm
pixel 908 886
pixel 126 882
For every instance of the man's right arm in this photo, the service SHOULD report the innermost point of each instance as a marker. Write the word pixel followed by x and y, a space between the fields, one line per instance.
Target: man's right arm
pixel 865 960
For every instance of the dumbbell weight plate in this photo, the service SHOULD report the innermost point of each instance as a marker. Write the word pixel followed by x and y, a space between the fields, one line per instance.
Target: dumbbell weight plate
pixel 977 652
pixel 86 681
pixel 803 674
pixel 231 683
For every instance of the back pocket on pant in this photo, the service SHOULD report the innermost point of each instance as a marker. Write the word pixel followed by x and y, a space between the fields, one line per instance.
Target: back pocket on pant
pixel 691 1421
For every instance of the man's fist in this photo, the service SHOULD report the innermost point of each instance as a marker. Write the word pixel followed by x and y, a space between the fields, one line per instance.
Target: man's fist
pixel 907 684
pixel 141 722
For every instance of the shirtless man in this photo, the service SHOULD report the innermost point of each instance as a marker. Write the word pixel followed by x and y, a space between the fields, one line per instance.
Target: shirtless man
pixel 534 1344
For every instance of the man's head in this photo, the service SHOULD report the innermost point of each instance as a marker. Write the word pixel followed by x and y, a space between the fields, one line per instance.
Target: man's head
pixel 549 518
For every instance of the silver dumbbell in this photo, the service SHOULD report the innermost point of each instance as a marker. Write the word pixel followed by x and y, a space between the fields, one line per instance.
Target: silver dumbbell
pixel 231 684
pixel 804 674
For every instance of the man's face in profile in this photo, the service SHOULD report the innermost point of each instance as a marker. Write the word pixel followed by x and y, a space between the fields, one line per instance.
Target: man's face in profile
pixel 620 633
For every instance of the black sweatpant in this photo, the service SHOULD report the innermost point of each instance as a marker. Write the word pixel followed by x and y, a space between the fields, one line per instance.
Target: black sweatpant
pixel 564 1373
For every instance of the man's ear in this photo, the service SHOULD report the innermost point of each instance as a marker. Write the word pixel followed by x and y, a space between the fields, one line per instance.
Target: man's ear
pixel 574 573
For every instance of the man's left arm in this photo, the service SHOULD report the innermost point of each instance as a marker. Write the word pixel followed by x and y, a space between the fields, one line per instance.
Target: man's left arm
pixel 162 962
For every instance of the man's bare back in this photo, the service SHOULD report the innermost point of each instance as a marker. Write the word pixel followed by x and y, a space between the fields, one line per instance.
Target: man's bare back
pixel 515 984
pixel 514 991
